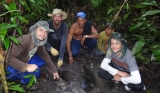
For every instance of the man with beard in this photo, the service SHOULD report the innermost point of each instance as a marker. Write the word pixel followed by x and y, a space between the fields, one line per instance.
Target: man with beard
pixel 57 39
pixel 27 57
pixel 81 33
pixel 120 65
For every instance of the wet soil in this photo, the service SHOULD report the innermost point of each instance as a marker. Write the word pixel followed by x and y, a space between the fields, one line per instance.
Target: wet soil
pixel 81 77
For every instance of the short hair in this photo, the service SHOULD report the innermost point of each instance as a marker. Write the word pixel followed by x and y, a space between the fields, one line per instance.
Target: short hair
pixel 109 25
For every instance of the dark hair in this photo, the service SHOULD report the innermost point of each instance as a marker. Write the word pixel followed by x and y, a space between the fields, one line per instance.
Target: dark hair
pixel 109 25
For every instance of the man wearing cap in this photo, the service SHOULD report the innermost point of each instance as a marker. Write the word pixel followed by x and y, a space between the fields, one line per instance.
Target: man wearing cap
pixel 57 39
pixel 102 42
pixel 81 33
pixel 120 65
pixel 27 57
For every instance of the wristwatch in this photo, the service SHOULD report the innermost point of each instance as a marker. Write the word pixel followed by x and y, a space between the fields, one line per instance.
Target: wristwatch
pixel 86 35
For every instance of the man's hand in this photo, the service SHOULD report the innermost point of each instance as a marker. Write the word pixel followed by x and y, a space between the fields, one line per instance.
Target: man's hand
pixel 56 76
pixel 123 74
pixel 117 77
pixel 31 67
pixel 54 51
pixel 82 40
pixel 71 60
pixel 60 63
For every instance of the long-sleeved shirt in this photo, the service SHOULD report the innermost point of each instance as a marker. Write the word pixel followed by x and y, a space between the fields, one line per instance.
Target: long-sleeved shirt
pixel 57 39
pixel 126 64
pixel 21 54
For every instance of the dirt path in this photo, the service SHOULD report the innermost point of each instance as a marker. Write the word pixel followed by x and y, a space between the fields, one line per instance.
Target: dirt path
pixel 79 77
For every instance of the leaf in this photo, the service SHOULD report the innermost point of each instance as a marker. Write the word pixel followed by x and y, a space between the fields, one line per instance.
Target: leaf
pixel 138 6
pixel 28 76
pixel 6 6
pixel 110 10
pixel 126 15
pixel 152 12
pixel 156 53
pixel 137 47
pixel 135 26
pixel 19 30
pixel 15 40
pixel 32 80
pixel 17 88
pixel 5 26
pixel 12 6
pixel 6 42
pixel 149 3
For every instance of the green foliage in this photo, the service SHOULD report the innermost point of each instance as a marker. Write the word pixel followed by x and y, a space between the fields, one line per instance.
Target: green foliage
pixel 32 80
pixel 137 47
pixel 15 87
pixel 139 22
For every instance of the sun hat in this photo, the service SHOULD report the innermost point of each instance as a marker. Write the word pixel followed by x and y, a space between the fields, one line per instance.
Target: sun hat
pixel 81 14
pixel 118 36
pixel 43 24
pixel 58 11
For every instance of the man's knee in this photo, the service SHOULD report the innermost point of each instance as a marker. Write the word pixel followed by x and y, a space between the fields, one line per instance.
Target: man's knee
pixel 75 53
pixel 104 74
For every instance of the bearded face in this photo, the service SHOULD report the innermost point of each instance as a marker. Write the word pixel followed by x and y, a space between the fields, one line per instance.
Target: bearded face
pixel 57 19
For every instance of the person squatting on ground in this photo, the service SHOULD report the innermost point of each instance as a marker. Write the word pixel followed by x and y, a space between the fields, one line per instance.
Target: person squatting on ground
pixel 57 39
pixel 102 42
pixel 81 33
pixel 27 57
pixel 120 65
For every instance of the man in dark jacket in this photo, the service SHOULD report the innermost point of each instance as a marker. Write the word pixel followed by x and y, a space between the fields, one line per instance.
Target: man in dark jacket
pixel 57 40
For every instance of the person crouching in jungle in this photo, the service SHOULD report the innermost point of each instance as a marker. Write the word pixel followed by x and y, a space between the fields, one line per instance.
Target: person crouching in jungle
pixel 103 39
pixel 120 65
pixel 27 57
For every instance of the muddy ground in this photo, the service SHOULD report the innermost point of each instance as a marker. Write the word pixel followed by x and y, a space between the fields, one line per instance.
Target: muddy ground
pixel 81 77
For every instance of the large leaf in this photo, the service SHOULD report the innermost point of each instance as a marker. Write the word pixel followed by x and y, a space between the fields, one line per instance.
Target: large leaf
pixel 139 5
pixel 15 40
pixel 17 88
pixel 19 30
pixel 12 6
pixel 5 26
pixel 156 53
pixel 126 15
pixel 153 3
pixel 6 42
pixel 152 12
pixel 135 26
pixel 137 47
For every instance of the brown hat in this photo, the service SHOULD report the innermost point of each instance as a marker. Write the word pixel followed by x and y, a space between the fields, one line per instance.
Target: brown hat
pixel 58 11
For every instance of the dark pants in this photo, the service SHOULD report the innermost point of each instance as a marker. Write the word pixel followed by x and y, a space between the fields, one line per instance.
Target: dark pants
pixel 106 75
pixel 76 44
pixel 16 75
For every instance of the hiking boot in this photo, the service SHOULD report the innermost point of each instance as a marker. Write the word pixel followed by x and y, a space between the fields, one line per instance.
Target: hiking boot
pixel 127 88
pixel 33 87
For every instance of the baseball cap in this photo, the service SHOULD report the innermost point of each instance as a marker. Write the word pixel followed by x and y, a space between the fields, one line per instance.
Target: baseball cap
pixel 81 14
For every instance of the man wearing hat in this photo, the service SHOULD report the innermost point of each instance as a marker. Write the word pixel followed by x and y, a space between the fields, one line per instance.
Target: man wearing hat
pixel 57 39
pixel 81 33
pixel 27 57
pixel 120 65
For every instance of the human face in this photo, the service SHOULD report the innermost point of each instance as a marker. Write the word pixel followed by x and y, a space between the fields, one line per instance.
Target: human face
pixel 41 33
pixel 81 22
pixel 108 31
pixel 57 19
pixel 116 46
